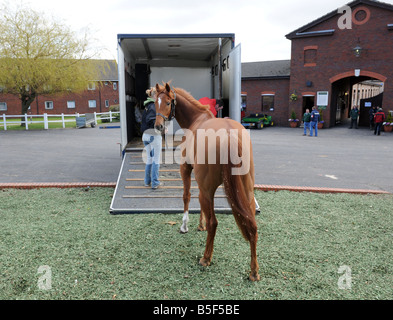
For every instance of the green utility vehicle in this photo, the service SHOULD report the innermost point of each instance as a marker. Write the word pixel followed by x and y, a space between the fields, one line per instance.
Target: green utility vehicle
pixel 257 120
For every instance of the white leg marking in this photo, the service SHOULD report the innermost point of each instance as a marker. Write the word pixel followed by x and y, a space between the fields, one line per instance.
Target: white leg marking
pixel 184 227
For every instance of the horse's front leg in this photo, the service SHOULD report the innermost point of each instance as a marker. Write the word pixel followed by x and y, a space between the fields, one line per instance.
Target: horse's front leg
pixel 185 171
pixel 202 222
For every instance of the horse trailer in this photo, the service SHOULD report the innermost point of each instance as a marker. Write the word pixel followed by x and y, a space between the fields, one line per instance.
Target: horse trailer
pixel 206 65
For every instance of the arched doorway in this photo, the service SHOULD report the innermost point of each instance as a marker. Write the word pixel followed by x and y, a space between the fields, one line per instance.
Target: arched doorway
pixel 344 96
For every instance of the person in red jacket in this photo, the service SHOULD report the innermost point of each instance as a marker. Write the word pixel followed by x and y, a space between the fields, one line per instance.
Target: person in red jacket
pixel 212 103
pixel 379 118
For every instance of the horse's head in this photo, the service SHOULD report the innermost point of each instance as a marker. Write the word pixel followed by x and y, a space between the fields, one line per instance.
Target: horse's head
pixel 165 106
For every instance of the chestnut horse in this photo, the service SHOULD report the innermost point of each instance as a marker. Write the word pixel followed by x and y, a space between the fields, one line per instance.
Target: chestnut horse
pixel 213 165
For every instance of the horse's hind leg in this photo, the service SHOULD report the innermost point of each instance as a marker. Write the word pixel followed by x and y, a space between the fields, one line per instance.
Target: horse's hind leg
pixel 248 227
pixel 207 206
pixel 185 171
pixel 254 276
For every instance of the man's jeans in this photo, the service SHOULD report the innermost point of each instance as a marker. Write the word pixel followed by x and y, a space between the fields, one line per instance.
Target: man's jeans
pixel 153 146
pixel 313 125
pixel 378 127
pixel 306 126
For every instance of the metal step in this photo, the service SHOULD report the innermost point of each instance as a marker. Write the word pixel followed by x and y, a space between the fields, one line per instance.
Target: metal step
pixel 131 196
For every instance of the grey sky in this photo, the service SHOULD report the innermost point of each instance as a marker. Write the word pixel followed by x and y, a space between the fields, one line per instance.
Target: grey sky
pixel 260 26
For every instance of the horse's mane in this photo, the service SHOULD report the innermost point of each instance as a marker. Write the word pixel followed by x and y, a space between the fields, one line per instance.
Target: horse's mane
pixel 186 95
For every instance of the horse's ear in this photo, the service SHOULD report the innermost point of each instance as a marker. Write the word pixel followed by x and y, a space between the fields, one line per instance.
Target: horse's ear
pixel 157 87
pixel 167 87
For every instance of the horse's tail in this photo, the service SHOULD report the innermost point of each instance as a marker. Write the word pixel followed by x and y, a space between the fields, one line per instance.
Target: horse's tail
pixel 239 189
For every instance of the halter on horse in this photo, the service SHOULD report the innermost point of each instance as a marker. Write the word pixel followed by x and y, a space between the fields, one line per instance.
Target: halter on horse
pixel 239 187
pixel 173 109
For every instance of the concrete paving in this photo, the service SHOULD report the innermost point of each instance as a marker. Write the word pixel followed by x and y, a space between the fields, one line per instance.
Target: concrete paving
pixel 338 158
pixel 60 155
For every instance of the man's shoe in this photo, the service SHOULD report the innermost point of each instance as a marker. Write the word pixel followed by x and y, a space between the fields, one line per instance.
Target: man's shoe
pixel 155 187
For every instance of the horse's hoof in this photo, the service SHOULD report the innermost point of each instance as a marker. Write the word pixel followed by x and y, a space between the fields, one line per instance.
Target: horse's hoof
pixel 204 262
pixel 183 231
pixel 254 276
pixel 201 228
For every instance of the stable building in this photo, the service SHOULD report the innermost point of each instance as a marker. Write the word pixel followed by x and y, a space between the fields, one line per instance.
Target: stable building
pixel 99 96
pixel 333 59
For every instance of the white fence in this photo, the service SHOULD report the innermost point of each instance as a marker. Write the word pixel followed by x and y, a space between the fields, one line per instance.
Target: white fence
pixel 28 119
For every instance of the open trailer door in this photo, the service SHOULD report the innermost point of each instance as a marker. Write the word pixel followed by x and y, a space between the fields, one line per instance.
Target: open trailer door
pixel 122 98
pixel 235 78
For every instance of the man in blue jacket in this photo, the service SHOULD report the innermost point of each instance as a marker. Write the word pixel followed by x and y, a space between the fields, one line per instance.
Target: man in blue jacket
pixel 315 118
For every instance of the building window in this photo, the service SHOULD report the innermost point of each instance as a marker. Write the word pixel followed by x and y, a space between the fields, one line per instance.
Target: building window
pixel 361 15
pixel 106 103
pixel 92 104
pixel 3 106
pixel 244 101
pixel 267 102
pixel 48 105
pixel 91 86
pixel 70 104
pixel 114 85
pixel 310 56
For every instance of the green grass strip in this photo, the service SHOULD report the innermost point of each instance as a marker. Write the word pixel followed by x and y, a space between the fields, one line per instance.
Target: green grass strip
pixel 304 238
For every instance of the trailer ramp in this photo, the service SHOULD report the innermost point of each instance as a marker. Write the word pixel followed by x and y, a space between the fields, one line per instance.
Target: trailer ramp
pixel 131 196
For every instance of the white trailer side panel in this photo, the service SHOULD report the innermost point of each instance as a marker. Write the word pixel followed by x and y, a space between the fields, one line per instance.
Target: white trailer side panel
pixel 235 79
pixel 122 96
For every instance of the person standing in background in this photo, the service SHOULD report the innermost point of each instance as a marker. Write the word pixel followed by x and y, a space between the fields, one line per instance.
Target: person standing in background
pixel 354 114
pixel 306 121
pixel 315 117
pixel 379 118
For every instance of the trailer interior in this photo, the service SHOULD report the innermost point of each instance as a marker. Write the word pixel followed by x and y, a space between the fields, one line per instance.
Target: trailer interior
pixel 206 65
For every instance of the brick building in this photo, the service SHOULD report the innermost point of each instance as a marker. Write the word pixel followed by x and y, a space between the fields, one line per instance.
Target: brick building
pixel 329 56
pixel 98 97
pixel 265 88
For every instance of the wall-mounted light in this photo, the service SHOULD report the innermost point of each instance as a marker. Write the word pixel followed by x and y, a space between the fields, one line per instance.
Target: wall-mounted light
pixel 357 51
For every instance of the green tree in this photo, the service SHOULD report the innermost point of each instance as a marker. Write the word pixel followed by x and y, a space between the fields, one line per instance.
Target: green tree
pixel 39 55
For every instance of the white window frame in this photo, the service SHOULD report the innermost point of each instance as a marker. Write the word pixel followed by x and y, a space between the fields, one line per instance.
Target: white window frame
pixel 49 105
pixel 274 101
pixel 4 108
pixel 92 104
pixel 70 104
